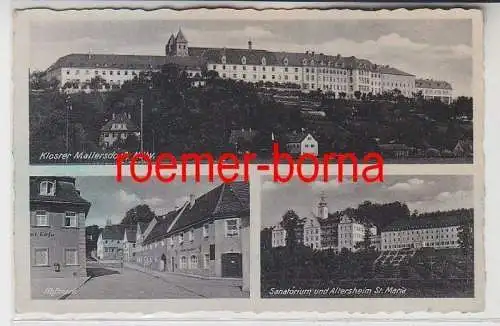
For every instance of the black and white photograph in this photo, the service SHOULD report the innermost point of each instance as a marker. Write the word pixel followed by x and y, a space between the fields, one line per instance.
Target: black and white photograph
pixel 402 88
pixel 94 238
pixel 409 237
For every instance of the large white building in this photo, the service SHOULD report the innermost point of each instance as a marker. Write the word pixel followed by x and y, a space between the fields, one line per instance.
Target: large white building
pixel 351 232
pixel 434 89
pixel 309 70
pixel 438 233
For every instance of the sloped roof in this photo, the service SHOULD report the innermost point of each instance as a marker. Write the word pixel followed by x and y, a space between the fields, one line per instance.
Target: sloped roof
pixel 65 191
pixel 109 61
pixel 414 223
pixel 159 231
pixel 120 118
pixel 142 226
pixel 429 83
pixel 113 232
pixel 296 138
pixel 225 201
pixel 393 71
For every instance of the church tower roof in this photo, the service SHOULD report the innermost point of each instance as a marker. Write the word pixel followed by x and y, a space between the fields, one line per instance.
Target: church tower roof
pixel 180 37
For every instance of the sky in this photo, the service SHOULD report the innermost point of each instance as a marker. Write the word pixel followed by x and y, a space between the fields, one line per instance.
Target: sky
pixel 111 200
pixel 438 49
pixel 422 193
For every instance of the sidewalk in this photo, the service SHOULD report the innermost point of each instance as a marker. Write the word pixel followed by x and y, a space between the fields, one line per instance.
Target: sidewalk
pixel 236 282
pixel 55 288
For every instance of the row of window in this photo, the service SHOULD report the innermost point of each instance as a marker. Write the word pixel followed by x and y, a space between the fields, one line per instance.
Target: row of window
pixel 104 72
pixel 416 239
pixel 232 229
pixel 42 219
pixel 41 257
pixel 429 244
pixel 438 230
pixel 193 262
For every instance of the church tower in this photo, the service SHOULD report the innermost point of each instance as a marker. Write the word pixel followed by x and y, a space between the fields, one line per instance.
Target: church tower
pixel 170 47
pixel 322 206
pixel 181 45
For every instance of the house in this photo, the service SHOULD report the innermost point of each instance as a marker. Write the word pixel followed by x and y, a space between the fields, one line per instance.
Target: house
pixel 398 151
pixel 242 139
pixel 57 228
pixel 117 131
pixel 301 143
pixel 351 232
pixel 129 238
pixel 209 235
pixel 110 243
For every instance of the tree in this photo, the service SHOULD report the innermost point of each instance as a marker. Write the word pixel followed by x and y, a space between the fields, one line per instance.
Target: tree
pixel 465 237
pixel 292 223
pixel 97 82
pixel 366 244
pixel 357 94
pixel 140 213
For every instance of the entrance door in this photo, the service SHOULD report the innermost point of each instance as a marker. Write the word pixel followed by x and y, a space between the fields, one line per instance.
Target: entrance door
pixel 231 265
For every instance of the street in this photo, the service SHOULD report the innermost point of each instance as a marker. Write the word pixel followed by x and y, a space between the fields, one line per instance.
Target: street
pixel 112 283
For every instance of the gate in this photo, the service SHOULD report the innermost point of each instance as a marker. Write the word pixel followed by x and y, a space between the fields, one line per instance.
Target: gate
pixel 231 265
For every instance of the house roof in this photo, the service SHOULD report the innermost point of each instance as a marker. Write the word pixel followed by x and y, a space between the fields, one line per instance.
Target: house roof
pixel 297 138
pixel 109 61
pixel 225 201
pixel 414 223
pixel 392 71
pixel 120 118
pixel 429 83
pixel 113 232
pixel 160 229
pixel 65 191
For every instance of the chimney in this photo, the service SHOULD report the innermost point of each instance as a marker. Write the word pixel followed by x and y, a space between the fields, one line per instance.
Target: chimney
pixel 192 200
pixel 249 44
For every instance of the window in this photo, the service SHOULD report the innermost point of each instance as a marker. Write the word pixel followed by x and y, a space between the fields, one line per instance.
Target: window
pixel 205 230
pixel 41 218
pixel 111 72
pixel 41 257
pixel 193 262
pixel 118 72
pixel 243 60
pixel 181 237
pixel 104 72
pixel 47 188
pixel 70 220
pixel 232 228
pixel 223 60
pixel 183 262
pixel 263 61
pixel 70 257
pixel 206 261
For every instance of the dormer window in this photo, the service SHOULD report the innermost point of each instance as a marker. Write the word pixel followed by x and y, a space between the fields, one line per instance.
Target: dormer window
pixel 243 60
pixel 304 62
pixel 285 61
pixel 312 62
pixel 263 61
pixel 223 59
pixel 47 188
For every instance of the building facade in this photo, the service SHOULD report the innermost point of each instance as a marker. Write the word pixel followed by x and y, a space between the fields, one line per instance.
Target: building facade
pixel 110 243
pixel 57 232
pixel 434 89
pixel 129 243
pixel 207 236
pixel 310 71
pixel 117 131
pixel 352 232
pixel 301 143
pixel 438 233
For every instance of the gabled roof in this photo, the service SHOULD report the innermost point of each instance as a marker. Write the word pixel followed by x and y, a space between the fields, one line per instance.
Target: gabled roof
pixel 393 71
pixel 120 118
pixel 65 191
pixel 297 138
pixel 429 83
pixel 159 231
pixel 113 232
pixel 142 226
pixel 225 201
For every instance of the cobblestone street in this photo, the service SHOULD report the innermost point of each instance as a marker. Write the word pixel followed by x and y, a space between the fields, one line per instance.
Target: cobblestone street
pixel 110 283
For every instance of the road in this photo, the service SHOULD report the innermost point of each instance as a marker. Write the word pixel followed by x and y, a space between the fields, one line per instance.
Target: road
pixel 133 284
